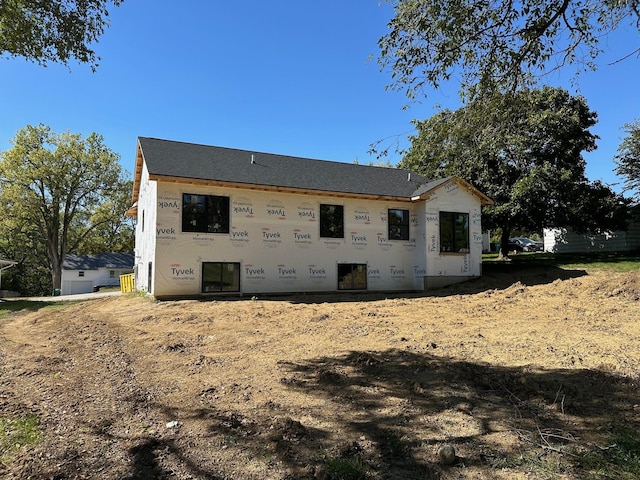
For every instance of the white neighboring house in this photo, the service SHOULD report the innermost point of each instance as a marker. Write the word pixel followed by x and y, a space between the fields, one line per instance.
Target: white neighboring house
pixel 214 220
pixel 565 240
pixel 4 264
pixel 83 273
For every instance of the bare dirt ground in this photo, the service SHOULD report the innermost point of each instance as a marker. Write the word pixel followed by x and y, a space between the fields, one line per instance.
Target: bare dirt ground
pixel 525 374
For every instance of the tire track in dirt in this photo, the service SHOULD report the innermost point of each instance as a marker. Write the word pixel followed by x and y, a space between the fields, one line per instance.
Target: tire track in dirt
pixel 87 393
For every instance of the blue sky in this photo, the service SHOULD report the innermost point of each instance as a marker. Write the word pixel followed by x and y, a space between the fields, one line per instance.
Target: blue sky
pixel 293 77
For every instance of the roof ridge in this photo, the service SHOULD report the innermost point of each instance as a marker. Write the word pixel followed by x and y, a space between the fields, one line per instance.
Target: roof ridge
pixel 182 160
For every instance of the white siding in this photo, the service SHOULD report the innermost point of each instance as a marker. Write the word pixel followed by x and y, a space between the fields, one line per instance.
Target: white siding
pixel 75 287
pixel 148 206
pixel 105 278
pixel 72 283
pixel 443 268
pixel 563 240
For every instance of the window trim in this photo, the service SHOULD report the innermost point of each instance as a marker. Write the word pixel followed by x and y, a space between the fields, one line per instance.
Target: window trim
pixel 404 225
pixel 221 290
pixel 225 226
pixel 353 268
pixel 323 231
pixel 454 240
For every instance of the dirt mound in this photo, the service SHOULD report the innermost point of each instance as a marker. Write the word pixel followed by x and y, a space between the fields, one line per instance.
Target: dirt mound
pixel 626 286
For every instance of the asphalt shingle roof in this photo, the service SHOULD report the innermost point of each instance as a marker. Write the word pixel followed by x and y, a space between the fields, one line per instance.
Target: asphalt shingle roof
pixel 100 260
pixel 193 161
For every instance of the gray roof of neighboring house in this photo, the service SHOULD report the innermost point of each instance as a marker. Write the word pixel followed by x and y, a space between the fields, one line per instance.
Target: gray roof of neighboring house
pixel 114 261
pixel 192 161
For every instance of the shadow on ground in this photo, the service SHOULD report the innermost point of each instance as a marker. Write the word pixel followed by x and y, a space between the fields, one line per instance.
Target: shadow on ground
pixel 405 404
pixel 384 414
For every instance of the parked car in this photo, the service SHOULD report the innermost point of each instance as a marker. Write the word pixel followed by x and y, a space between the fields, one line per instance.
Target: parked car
pixel 524 244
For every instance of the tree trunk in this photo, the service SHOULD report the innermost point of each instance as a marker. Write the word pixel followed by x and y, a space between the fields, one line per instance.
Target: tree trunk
pixel 56 259
pixel 504 242
pixel 56 275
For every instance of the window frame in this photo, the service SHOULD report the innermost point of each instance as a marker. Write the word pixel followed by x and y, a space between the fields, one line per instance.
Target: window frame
pixel 459 243
pixel 327 223
pixel 204 215
pixel 402 225
pixel 236 274
pixel 352 267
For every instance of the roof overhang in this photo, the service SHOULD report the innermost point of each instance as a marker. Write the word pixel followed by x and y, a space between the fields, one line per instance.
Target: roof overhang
pixel 137 178
pixel 6 263
pixel 132 211
pixel 446 183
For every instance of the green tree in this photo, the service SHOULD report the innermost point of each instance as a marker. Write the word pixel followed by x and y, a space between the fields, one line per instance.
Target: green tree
pixel 59 189
pixel 628 159
pixel 53 31
pixel 114 232
pixel 502 43
pixel 21 242
pixel 524 150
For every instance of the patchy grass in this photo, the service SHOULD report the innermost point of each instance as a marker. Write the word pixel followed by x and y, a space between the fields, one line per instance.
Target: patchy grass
pixel 345 469
pixel 611 262
pixel 616 262
pixel 9 306
pixel 110 288
pixel 619 460
pixel 16 434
